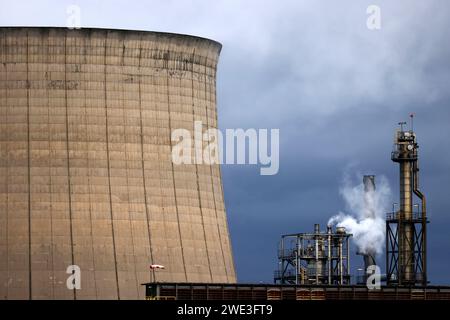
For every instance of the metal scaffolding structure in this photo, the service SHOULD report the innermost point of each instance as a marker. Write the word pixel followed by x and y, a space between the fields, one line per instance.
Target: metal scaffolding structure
pixel 314 258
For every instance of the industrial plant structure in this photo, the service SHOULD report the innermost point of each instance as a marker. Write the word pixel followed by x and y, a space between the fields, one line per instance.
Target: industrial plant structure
pixel 406 228
pixel 314 258
pixel 86 175
pixel 87 180
pixel 315 266
pixel 309 258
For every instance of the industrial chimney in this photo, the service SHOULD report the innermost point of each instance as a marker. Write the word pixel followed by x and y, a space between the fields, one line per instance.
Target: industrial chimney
pixel 369 189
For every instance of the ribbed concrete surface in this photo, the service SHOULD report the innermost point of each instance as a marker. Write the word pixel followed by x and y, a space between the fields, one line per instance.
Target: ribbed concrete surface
pixel 86 176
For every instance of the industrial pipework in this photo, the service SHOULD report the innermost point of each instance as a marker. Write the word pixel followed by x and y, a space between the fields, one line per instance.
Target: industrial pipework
pixel 314 258
pixel 406 228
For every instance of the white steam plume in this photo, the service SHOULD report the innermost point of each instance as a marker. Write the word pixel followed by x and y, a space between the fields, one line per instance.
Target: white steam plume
pixel 367 211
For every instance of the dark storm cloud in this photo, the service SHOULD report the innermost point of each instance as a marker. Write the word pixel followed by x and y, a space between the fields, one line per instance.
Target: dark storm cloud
pixel 334 89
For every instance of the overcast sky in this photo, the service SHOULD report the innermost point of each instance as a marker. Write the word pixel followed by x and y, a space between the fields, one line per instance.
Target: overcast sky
pixel 334 88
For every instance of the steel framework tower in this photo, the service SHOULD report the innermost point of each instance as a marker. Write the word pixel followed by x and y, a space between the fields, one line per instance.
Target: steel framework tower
pixel 314 258
pixel 406 262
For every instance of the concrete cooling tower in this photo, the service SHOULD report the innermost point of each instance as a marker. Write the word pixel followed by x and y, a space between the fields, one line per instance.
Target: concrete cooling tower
pixel 86 174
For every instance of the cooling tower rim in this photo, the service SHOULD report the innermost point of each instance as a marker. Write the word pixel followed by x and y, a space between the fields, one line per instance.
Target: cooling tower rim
pixel 217 44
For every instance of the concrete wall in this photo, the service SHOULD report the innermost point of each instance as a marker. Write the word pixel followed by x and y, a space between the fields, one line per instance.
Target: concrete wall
pixel 86 176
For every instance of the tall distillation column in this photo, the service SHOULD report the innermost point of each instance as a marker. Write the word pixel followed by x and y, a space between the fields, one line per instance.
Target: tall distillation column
pixel 406 228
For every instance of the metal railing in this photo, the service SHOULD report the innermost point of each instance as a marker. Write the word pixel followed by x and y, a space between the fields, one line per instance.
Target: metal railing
pixel 417 278
pixel 287 274
pixel 283 292
pixel 397 216
pixel 300 253
pixel 286 253
pixel 397 155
